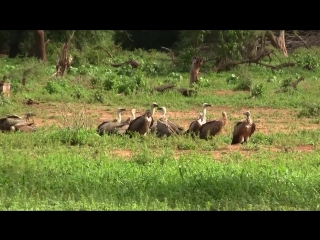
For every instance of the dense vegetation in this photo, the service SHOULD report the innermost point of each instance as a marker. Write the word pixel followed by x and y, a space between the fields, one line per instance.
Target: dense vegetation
pixel 67 166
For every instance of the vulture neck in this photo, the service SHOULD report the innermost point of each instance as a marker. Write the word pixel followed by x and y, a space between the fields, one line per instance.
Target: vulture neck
pixel 133 115
pixel 119 117
pixel 201 120
pixel 153 110
pixel 204 111
pixel 249 120
pixel 164 111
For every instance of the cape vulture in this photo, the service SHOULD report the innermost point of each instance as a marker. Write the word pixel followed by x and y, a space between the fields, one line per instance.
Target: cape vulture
pixel 196 124
pixel 243 130
pixel 142 123
pixel 112 126
pixel 7 123
pixel 167 127
pixel 213 127
pixel 122 130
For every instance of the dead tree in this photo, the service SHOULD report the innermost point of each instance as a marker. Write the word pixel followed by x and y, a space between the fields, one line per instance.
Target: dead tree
pixel 278 42
pixel 196 64
pixel 171 55
pixel 40 45
pixel 63 62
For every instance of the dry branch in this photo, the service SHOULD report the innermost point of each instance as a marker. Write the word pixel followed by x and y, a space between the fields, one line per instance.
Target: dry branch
pixel 171 54
pixel 63 62
pixel 256 60
pixel 170 86
pixel 108 53
pixel 132 63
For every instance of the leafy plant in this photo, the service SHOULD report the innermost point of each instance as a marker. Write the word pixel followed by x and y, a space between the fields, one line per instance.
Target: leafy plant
pixel 310 110
pixel 256 90
pixel 232 79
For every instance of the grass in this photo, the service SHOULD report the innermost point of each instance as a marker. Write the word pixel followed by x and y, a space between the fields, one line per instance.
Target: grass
pixel 72 168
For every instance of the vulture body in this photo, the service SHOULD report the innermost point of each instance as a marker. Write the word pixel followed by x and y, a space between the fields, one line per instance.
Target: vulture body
pixel 142 123
pixel 213 127
pixel 28 127
pixel 7 123
pixel 110 127
pixel 195 125
pixel 133 116
pixel 167 127
pixel 122 130
pixel 243 130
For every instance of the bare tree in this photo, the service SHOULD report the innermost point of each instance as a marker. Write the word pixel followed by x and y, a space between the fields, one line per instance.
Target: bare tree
pixel 196 64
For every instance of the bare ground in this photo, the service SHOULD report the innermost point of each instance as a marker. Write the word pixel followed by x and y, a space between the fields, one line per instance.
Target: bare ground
pixel 268 121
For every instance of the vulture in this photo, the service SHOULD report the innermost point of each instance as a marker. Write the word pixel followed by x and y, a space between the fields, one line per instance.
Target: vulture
pixel 24 127
pixel 142 123
pixel 7 123
pixel 133 116
pixel 111 126
pixel 213 127
pixel 243 130
pixel 122 130
pixel 196 124
pixel 165 126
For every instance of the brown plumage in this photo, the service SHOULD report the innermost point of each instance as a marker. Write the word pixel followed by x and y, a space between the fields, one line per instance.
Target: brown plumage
pixel 9 121
pixel 213 127
pixel 243 130
pixel 24 127
pixel 110 127
pixel 142 123
pixel 122 130
pixel 196 124
pixel 167 127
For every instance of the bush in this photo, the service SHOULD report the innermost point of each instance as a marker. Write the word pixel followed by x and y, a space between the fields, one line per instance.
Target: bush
pixel 256 91
pixel 310 110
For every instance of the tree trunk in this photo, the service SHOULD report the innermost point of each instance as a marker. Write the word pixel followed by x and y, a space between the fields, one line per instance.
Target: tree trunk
pixel 195 68
pixel 39 45
pixel 14 43
pixel 278 42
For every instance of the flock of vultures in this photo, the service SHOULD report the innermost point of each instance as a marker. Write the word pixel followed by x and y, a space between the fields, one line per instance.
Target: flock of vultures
pixel 200 127
pixel 144 124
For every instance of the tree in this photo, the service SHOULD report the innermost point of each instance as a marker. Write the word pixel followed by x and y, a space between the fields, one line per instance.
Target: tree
pixel 39 45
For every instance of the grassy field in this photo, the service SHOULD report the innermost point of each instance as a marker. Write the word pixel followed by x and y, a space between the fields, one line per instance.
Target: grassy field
pixel 65 165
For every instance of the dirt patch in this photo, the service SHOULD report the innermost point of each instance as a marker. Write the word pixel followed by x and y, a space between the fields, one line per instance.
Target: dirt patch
pixel 268 120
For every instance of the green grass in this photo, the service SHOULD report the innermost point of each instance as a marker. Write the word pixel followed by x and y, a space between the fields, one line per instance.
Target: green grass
pixel 92 180
pixel 75 169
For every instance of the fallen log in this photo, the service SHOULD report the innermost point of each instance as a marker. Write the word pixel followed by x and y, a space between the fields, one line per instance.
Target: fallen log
pixel 132 63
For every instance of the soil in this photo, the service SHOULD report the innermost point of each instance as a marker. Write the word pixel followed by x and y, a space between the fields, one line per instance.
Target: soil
pixel 268 120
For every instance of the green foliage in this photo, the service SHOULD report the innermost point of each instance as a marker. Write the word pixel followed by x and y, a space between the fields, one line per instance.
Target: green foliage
pixel 311 109
pixel 306 58
pixel 71 137
pixel 224 43
pixel 232 79
pixel 257 90
pixel 99 96
pixel 54 86
pixel 244 78
pixel 4 100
